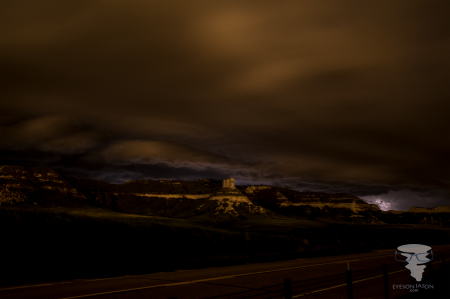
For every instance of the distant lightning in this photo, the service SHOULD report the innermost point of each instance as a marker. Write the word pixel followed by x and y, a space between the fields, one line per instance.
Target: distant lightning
pixel 384 205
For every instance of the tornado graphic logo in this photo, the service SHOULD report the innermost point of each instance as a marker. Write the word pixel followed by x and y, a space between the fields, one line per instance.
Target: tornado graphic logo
pixel 416 255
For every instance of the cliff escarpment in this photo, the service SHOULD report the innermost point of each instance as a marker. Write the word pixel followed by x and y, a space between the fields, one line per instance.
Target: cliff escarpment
pixel 312 205
pixel 170 198
pixel 203 198
pixel 281 197
pixel 37 185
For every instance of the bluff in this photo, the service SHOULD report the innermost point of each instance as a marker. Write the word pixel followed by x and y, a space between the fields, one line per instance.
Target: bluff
pixel 182 199
pixel 185 199
pixel 37 185
pixel 281 197
pixel 285 201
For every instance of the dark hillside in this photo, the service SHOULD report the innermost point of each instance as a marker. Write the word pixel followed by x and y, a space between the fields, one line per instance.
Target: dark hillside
pixel 61 244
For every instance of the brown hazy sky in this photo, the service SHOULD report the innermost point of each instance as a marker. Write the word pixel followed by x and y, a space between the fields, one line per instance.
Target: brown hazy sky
pixel 334 96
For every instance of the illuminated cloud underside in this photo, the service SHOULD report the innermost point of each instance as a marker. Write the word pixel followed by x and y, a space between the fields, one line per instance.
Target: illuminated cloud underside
pixel 334 96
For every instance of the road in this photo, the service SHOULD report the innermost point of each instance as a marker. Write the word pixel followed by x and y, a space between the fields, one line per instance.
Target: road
pixel 311 278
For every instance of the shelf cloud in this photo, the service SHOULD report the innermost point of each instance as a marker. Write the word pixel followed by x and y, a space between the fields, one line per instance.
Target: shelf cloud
pixel 333 96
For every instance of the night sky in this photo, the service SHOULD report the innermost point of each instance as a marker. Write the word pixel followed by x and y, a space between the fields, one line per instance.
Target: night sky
pixel 329 96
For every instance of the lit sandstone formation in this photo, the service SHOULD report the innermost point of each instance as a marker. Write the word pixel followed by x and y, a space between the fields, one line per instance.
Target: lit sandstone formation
pixel 228 183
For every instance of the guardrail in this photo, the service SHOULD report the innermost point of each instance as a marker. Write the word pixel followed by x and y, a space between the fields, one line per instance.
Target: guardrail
pixel 288 287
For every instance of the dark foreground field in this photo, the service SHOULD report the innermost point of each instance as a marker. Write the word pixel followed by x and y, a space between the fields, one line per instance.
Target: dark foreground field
pixel 59 243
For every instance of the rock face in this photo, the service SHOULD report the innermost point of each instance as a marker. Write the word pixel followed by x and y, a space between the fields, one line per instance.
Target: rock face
pixel 341 200
pixel 345 207
pixel 364 218
pixel 220 202
pixel 285 197
pixel 232 201
pixel 10 195
pixel 170 198
pixel 252 189
pixel 228 183
pixel 34 184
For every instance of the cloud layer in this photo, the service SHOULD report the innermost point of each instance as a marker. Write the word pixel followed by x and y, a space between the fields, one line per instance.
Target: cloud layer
pixel 329 95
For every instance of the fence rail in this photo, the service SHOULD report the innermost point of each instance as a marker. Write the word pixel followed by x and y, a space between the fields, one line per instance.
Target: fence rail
pixel 289 289
pixel 384 270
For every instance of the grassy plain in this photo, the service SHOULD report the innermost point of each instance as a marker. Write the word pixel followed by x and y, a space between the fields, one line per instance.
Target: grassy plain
pixel 48 244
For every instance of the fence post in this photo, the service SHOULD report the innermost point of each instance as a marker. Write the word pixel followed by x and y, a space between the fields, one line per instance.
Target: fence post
pixel 348 274
pixel 386 281
pixel 287 288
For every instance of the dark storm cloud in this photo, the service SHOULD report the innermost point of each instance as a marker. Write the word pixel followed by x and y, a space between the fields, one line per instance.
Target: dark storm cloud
pixel 325 95
pixel 56 134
